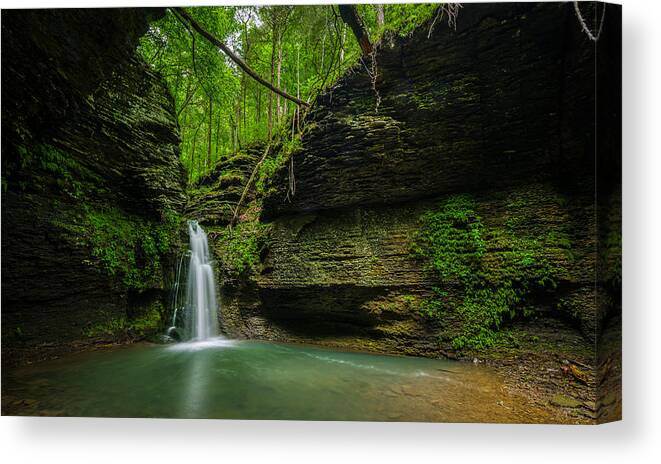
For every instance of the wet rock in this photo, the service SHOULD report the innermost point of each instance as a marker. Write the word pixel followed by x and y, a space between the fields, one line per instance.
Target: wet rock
pixel 565 401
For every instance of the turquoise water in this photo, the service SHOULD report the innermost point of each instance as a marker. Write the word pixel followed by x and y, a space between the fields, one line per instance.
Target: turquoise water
pixel 259 380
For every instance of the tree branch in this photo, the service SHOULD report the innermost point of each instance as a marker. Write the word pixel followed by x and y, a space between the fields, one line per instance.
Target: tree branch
pixel 242 64
pixel 248 184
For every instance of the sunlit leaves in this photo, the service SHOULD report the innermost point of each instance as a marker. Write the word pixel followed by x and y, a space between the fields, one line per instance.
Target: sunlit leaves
pixel 303 49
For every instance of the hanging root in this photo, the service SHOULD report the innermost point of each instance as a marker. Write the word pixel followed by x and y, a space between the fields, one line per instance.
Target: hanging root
pixel 585 27
pixel 373 74
pixel 451 10
pixel 291 188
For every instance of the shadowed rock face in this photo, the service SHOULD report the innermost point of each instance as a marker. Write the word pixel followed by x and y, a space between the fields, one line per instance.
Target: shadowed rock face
pixel 506 99
pixel 88 131
pixel 501 110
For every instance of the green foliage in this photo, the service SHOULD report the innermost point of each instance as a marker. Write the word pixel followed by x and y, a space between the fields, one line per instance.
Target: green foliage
pixel 239 248
pixel 494 287
pixel 129 246
pixel 18 333
pixel 302 50
pixel 452 238
pixel 403 18
pixel 122 326
pixel 273 163
pixel 431 307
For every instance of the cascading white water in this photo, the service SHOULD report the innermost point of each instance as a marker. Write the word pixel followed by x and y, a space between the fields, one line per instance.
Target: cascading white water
pixel 198 310
pixel 201 288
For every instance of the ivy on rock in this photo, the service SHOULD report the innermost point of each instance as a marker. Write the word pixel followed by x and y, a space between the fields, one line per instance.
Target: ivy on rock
pixel 495 269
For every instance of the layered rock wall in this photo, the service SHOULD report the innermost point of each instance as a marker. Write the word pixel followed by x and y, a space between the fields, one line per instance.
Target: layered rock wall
pixel 92 183
pixel 500 111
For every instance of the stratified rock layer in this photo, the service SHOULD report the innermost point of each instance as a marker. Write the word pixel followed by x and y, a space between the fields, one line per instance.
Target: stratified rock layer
pixel 501 110
pixel 218 194
pixel 89 135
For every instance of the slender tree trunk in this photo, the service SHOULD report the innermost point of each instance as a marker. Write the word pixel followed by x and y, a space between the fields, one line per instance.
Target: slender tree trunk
pixel 259 105
pixel 323 41
pixel 298 86
pixel 243 109
pixel 233 133
pixel 380 15
pixel 279 70
pixel 244 83
pixel 189 96
pixel 270 108
pixel 193 157
pixel 215 158
pixel 208 159
pixel 342 42
pixel 238 117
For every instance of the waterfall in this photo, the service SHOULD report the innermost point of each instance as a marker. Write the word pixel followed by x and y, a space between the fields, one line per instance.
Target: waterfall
pixel 195 311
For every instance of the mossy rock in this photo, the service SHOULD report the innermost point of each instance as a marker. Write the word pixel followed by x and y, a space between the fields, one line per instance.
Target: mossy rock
pixel 565 401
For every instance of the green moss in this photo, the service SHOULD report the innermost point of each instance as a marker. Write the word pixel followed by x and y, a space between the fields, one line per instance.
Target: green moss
pixel 404 19
pixel 451 238
pixel 497 269
pixel 70 176
pixel 231 178
pixel 239 248
pixel 273 163
pixel 611 251
pixel 122 327
pixel 128 246
pixel 401 304
pixel 432 96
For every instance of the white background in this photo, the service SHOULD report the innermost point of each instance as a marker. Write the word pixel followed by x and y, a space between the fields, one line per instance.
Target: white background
pixel 634 440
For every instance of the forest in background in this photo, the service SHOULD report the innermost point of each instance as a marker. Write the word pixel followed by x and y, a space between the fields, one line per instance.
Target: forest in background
pixel 301 50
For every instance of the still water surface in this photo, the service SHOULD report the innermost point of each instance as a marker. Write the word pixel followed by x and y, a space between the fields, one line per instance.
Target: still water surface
pixel 220 378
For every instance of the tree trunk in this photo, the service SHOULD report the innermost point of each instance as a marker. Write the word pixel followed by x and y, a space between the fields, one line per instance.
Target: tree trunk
pixel 193 157
pixel 323 43
pixel 244 84
pixel 380 15
pixel 343 40
pixel 350 16
pixel 259 105
pixel 215 157
pixel 297 113
pixel 270 108
pixel 279 70
pixel 208 160
pixel 238 117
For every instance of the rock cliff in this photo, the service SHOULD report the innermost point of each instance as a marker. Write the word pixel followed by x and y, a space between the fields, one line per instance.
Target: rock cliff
pixel 485 134
pixel 92 185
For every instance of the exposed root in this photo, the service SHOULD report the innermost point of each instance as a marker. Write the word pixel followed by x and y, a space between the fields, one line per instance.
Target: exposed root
pixel 451 10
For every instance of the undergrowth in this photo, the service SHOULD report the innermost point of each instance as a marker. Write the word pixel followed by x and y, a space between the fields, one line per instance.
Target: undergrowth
pixel 271 164
pixel 129 246
pixel 240 247
pixel 122 326
pixel 494 287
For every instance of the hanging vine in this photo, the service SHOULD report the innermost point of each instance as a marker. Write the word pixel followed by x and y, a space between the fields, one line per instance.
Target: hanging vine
pixel 584 26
